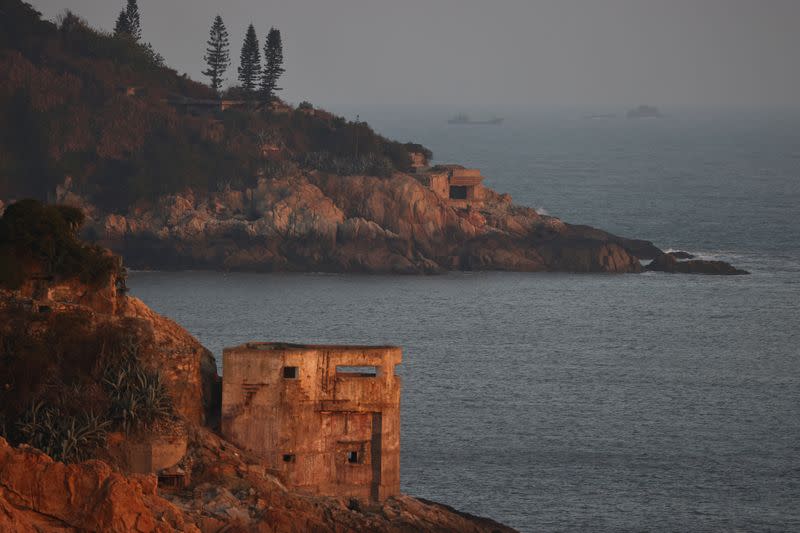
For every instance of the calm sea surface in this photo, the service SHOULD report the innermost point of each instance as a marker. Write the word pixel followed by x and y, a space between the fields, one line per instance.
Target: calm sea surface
pixel 580 402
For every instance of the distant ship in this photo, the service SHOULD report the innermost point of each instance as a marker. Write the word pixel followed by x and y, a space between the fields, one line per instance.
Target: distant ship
pixel 644 111
pixel 464 119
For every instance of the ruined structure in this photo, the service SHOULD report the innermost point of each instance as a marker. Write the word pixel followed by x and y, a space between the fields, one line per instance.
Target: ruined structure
pixel 324 419
pixel 459 186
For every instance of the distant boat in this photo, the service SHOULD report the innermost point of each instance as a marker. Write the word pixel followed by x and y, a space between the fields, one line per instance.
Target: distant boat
pixel 645 111
pixel 464 119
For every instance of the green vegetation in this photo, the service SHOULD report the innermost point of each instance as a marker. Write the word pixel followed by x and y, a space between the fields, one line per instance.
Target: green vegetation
pixel 138 396
pixel 36 238
pixel 62 435
pixel 250 62
pixel 273 65
pixel 52 366
pixel 102 109
pixel 128 23
pixel 218 56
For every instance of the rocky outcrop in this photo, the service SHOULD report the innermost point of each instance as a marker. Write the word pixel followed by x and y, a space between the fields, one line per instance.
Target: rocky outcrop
pixel 322 222
pixel 669 263
pixel 40 495
pixel 187 367
pixel 223 488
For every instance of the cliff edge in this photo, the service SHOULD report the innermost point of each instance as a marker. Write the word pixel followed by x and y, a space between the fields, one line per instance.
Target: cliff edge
pixel 108 411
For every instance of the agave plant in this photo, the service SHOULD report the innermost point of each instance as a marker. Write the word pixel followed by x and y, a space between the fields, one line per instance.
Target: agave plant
pixel 62 436
pixel 138 396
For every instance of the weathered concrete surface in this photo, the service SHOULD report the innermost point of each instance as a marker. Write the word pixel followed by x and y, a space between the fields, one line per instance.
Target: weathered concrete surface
pixel 317 424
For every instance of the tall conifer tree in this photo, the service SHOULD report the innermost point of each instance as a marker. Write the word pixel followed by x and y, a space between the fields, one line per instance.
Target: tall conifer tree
pixel 134 23
pixel 122 27
pixel 250 61
pixel 273 64
pixel 217 54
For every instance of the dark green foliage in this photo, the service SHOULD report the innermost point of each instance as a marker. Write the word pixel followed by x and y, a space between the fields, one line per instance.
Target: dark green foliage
pixel 368 165
pixel 22 28
pixel 37 237
pixel 162 149
pixel 138 396
pixel 64 382
pixel 250 61
pixel 26 169
pixel 122 28
pixel 62 436
pixel 305 105
pixel 217 54
pixel 273 65
pixel 120 47
pixel 154 57
pixel 134 22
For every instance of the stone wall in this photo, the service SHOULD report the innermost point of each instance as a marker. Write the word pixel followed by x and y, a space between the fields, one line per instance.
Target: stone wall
pixel 317 422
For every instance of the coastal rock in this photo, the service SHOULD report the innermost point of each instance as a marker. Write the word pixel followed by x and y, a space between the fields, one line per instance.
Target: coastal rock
pixel 668 263
pixel 42 495
pixel 681 255
pixel 322 222
pixel 227 489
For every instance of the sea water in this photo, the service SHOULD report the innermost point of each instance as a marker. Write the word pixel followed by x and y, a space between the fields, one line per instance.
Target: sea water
pixel 579 402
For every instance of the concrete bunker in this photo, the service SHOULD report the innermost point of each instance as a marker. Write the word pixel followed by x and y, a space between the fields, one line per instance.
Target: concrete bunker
pixel 460 187
pixel 324 419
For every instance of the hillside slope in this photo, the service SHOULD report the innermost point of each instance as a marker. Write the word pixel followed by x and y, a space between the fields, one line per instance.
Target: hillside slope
pixel 172 178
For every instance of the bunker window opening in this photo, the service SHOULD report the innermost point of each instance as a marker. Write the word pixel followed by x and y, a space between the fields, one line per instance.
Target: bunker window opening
pixel 290 372
pixel 288 458
pixel 458 192
pixel 352 457
pixel 357 371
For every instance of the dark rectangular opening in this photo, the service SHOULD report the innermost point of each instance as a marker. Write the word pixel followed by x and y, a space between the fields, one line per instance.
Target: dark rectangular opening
pixel 352 457
pixel 458 192
pixel 357 371
pixel 171 481
pixel 288 458
pixel 290 372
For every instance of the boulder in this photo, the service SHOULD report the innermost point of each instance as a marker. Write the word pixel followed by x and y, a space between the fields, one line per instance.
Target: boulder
pixel 668 263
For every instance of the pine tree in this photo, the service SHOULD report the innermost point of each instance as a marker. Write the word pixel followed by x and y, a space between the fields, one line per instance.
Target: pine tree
pixel 250 61
pixel 122 27
pixel 273 64
pixel 134 23
pixel 217 54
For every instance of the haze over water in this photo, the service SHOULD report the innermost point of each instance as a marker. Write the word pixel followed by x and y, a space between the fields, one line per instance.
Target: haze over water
pixel 579 402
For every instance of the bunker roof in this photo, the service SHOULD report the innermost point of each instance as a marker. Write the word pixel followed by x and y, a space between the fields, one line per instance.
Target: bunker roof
pixel 288 346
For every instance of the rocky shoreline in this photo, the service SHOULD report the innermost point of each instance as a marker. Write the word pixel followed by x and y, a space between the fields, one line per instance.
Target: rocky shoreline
pixel 223 489
pixel 317 222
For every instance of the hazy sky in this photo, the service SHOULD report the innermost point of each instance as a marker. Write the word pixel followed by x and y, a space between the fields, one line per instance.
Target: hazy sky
pixel 466 52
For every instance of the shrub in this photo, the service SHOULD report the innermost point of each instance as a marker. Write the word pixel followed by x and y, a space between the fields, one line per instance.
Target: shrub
pixel 139 398
pixel 61 436
pixel 32 233
pixel 370 165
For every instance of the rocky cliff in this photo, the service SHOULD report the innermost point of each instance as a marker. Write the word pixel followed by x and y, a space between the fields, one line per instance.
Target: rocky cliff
pixel 314 221
pixel 228 490
pixel 67 348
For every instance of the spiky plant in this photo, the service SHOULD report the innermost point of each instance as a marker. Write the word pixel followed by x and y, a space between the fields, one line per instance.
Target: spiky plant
pixel 138 396
pixel 62 436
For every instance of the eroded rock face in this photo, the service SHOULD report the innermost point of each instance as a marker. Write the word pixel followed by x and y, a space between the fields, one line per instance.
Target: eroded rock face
pixel 321 222
pixel 187 367
pixel 228 489
pixel 40 495
pixel 233 493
